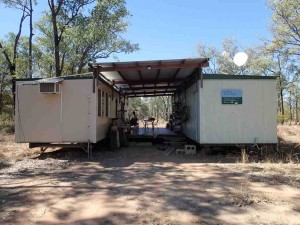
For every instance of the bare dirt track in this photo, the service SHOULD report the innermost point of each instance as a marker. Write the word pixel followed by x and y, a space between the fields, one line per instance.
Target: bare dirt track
pixel 140 185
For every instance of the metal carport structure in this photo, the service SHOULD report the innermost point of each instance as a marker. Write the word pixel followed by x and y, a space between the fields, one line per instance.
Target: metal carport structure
pixel 149 78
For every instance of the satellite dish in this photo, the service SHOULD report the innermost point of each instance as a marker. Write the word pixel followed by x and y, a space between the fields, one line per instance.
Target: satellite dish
pixel 225 54
pixel 240 58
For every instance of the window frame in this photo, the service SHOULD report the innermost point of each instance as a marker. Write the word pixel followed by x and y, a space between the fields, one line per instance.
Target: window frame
pixel 99 102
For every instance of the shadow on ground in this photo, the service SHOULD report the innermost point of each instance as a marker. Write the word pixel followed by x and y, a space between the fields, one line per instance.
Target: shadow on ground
pixel 130 186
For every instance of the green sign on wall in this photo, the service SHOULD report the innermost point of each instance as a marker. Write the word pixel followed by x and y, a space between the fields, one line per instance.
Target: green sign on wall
pixel 232 96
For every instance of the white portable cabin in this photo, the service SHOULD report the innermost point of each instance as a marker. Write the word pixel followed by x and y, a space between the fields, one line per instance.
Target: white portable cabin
pixel 70 109
pixel 231 109
pixel 223 109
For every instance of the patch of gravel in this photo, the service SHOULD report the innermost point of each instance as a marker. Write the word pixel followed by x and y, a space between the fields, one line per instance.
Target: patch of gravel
pixel 33 165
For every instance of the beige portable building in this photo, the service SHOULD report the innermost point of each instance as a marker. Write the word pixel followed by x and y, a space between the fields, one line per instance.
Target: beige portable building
pixel 71 109
pixel 231 109
pixel 222 109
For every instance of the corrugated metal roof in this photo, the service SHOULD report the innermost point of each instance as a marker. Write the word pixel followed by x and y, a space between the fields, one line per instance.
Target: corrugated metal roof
pixel 138 76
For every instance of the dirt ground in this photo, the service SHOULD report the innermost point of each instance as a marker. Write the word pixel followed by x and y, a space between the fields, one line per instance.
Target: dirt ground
pixel 141 185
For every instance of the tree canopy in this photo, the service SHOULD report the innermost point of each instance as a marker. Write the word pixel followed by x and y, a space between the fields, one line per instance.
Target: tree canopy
pixel 72 33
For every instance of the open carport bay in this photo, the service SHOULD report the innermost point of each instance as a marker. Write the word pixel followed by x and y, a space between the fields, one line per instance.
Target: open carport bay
pixel 140 185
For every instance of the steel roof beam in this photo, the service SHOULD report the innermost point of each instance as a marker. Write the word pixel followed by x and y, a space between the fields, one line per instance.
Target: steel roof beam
pixel 176 73
pixel 140 74
pixel 149 92
pixel 122 76
pixel 137 82
pixel 147 88
pixel 148 96
pixel 158 73
pixel 153 67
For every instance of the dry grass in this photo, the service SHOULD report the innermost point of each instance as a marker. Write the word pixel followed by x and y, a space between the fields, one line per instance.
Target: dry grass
pixel 11 151
pixel 271 173
pixel 244 156
pixel 288 150
pixel 272 166
pixel 288 133
pixel 242 196
pixel 266 221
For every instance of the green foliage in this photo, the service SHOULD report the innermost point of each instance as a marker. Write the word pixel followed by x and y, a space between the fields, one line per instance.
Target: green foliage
pixel 6 124
pixel 219 62
pixel 89 36
pixel 285 25
pixel 140 106
pixel 285 48
pixel 158 107
pixel 282 118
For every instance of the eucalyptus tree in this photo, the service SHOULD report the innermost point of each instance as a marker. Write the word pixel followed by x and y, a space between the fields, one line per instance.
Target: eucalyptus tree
pixel 229 48
pixel 26 11
pixel 63 14
pixel 77 32
pixel 4 74
pixel 285 44
pixel 161 107
pixel 221 60
pixel 99 35
pixel 21 69
pixel 285 24
pixel 83 31
pixel 213 54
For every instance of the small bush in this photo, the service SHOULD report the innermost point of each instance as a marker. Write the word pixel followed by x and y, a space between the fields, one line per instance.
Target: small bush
pixel 7 124
pixel 281 119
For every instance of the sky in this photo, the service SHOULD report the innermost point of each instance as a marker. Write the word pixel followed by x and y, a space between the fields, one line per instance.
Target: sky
pixel 171 29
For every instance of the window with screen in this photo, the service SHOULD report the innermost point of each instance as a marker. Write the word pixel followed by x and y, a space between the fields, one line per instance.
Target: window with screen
pixel 102 107
pixel 109 105
pixel 106 105
pixel 99 102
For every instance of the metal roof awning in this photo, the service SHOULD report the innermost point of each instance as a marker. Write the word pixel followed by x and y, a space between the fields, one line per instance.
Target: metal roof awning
pixel 148 78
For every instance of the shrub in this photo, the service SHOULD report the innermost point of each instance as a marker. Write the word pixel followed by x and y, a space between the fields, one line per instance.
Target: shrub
pixel 7 124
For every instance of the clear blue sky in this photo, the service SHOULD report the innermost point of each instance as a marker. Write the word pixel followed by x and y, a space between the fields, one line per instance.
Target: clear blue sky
pixel 172 28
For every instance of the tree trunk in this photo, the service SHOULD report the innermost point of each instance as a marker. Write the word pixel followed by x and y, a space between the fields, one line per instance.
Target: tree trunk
pixel 15 54
pixel 12 62
pixel 80 67
pixel 30 39
pixel 56 48
pixel 1 93
pixel 281 100
pixel 296 108
pixel 54 13
pixel 290 104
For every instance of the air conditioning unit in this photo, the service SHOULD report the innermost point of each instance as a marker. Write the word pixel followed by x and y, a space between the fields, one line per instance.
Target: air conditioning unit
pixel 49 88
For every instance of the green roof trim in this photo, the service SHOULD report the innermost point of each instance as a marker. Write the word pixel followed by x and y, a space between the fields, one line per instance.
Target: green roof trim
pixel 237 77
pixel 27 79
pixel 205 76
pixel 77 77
pixel 71 77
